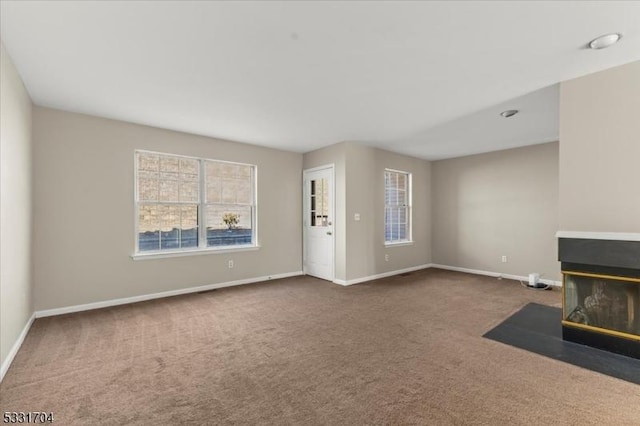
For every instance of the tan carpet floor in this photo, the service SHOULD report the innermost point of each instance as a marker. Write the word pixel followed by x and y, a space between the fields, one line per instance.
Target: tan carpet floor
pixel 401 350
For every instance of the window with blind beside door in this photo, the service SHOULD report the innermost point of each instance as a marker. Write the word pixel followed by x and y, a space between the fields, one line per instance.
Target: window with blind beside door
pixel 397 210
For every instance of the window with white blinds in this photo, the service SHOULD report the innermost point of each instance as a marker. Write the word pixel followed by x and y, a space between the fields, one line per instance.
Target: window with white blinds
pixel 397 210
pixel 187 204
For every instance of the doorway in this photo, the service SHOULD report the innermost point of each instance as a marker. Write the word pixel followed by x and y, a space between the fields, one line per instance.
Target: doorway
pixel 318 222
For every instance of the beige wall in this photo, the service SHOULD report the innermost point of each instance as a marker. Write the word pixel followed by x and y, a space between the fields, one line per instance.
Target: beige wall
pixel 600 151
pixel 365 195
pixel 501 203
pixel 84 212
pixel 359 171
pixel 15 206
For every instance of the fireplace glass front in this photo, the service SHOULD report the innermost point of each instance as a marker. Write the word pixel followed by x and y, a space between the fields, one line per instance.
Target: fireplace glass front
pixel 602 303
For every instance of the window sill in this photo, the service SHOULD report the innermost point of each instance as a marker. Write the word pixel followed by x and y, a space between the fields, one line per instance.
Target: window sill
pixel 196 252
pixel 398 243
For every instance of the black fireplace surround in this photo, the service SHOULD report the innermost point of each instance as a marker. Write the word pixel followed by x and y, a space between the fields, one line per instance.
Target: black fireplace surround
pixel 601 293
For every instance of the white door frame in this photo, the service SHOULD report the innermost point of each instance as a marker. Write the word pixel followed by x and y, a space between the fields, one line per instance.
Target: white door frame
pixel 332 212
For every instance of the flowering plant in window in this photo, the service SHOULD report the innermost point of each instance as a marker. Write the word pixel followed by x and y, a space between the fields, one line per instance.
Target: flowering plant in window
pixel 231 220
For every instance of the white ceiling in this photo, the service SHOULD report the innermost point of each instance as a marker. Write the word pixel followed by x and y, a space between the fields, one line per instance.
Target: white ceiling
pixel 422 78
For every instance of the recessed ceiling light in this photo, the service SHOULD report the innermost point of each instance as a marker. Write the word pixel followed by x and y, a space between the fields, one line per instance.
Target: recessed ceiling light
pixel 509 113
pixel 604 41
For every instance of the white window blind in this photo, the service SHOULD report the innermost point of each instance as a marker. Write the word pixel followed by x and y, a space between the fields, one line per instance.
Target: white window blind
pixel 397 215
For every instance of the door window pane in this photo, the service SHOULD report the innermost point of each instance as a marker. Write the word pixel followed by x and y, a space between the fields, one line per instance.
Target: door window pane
pixel 319 202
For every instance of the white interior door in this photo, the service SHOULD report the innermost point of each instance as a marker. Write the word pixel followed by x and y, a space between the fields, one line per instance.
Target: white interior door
pixel 318 223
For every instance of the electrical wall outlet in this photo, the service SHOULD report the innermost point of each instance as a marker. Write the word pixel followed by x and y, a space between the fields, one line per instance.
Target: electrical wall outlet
pixel 230 264
pixel 504 259
pixel 386 257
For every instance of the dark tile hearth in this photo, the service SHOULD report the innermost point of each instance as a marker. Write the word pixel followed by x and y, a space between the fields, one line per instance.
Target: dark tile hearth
pixel 537 328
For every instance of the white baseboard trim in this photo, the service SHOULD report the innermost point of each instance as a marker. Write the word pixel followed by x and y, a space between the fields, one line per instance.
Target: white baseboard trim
pixel 382 275
pixel 496 274
pixel 16 347
pixel 142 298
